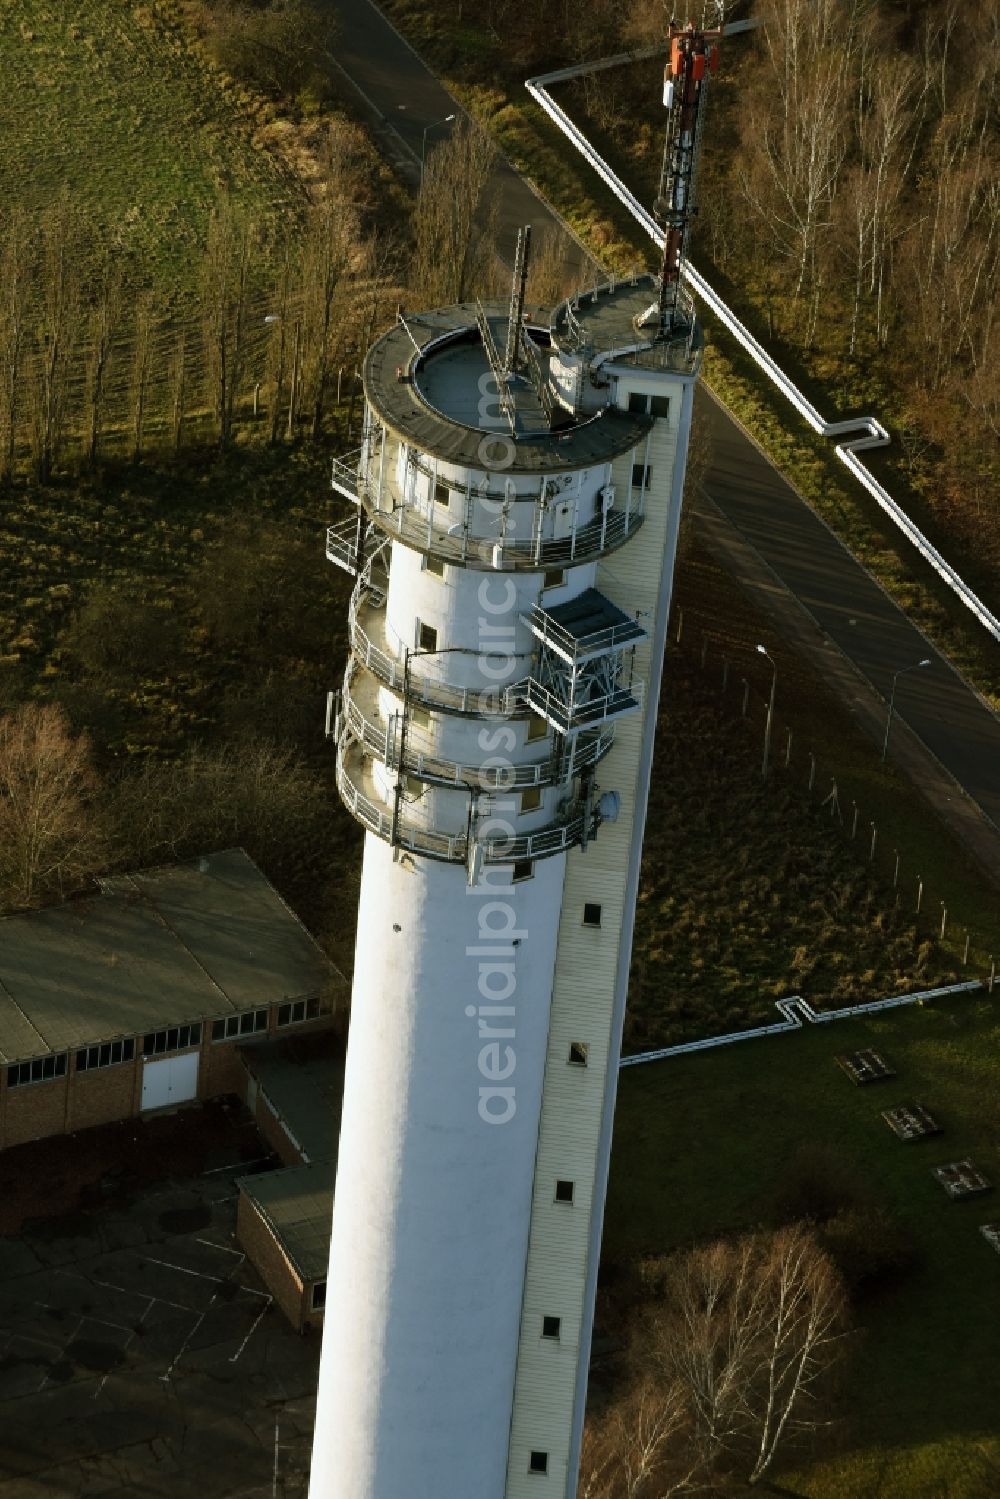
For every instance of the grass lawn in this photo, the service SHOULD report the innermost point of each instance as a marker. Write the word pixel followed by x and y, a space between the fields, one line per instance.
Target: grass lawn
pixel 115 102
pixel 701 1145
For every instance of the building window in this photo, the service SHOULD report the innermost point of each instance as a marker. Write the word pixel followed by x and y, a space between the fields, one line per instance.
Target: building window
pixel 555 577
pixel 531 799
pixel 649 405
pixel 177 1038
pixel 578 1053
pixel 591 914
pixel 564 1191
pixel 108 1055
pixel 550 1327
pixel 538 727
pixel 433 565
pixel 442 494
pixel 523 870
pixel 427 637
pixel 419 717
pixel 298 1010
pixel 641 475
pixel 538 1462
pixel 246 1024
pixel 41 1070
pixel 318 1299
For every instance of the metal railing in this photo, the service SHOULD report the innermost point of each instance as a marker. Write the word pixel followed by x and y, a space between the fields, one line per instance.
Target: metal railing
pixel 428 766
pixel 399 515
pixel 556 838
pixel 569 715
pixel 870 431
pixel 573 648
pixel 342 545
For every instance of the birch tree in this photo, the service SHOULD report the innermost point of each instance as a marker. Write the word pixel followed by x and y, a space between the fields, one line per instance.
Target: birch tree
pixel 450 222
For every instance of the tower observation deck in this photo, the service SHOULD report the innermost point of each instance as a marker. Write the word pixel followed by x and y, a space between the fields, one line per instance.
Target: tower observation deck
pixel 517 495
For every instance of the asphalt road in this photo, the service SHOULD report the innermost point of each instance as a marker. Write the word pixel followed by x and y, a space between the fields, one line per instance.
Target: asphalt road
pixel 845 602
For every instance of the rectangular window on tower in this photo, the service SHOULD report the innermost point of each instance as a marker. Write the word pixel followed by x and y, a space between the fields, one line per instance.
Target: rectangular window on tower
pixel 433 565
pixel 537 728
pixel 531 799
pixel 442 494
pixel 427 637
pixel 642 473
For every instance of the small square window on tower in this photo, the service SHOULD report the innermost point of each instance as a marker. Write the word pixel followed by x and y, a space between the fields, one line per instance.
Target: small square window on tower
pixel 638 401
pixel 433 565
pixel 564 1191
pixel 578 1053
pixel 641 475
pixel 555 577
pixel 523 870
pixel 427 637
pixel 538 1462
pixel 538 727
pixel 591 913
pixel 442 494
pixel 550 1327
pixel 659 405
pixel 531 799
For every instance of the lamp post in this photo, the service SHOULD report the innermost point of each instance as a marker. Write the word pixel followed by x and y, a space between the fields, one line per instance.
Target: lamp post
pixel 423 144
pixel 762 650
pixel 892 699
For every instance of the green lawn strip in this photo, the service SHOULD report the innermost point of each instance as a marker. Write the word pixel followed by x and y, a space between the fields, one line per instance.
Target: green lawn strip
pixel 701 1146
pixel 117 103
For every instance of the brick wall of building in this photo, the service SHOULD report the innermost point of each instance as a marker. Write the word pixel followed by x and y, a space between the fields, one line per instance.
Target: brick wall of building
pixel 103 1095
pixel 34 1110
pixel 271 1263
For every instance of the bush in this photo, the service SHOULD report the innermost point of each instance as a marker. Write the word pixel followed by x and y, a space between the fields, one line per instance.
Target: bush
pixel 870 1248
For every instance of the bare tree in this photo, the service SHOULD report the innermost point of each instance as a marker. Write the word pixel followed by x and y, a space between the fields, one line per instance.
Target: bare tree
pixel 16 275
pixel 450 223
pixel 57 332
pixel 326 260
pixel 104 320
pixel 142 329
pixel 752 1330
pixel 50 834
pixel 639 1449
pixel 225 285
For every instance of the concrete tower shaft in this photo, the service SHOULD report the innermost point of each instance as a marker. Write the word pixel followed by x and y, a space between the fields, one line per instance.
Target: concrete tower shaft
pixel 493 735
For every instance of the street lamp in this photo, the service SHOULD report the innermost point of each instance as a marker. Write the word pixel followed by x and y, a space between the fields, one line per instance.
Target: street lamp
pixel 762 650
pixel 892 699
pixel 423 144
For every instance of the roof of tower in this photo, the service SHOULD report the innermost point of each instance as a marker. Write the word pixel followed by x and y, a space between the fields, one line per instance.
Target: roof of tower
pixel 431 380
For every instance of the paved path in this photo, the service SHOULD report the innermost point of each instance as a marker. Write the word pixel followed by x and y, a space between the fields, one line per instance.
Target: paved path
pixel 777 530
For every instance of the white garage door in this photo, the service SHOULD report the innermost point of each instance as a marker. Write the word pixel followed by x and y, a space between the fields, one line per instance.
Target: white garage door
pixel 173 1080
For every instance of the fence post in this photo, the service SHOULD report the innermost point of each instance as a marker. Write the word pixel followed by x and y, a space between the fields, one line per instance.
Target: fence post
pixel 920 892
pixel 895 873
pixel 854 821
pixel 965 955
pixel 680 625
pixel 725 674
pixel 812 770
pixel 704 651
pixel 746 696
pixel 871 854
pixel 788 747
pixel 993 974
pixel 944 917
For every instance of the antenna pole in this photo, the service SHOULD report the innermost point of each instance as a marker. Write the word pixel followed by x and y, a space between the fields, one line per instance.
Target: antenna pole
pixel 694 54
pixel 518 287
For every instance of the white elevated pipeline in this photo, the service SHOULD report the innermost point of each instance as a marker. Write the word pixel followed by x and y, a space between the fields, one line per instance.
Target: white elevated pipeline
pixel 870 432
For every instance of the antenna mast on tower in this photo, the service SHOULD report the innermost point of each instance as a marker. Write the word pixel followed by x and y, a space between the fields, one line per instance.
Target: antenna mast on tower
pixel 694 55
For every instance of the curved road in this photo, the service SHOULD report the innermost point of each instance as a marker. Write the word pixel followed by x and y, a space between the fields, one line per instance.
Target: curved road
pixel 944 713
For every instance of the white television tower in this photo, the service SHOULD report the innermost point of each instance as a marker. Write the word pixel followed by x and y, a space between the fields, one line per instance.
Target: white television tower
pixel 519 494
